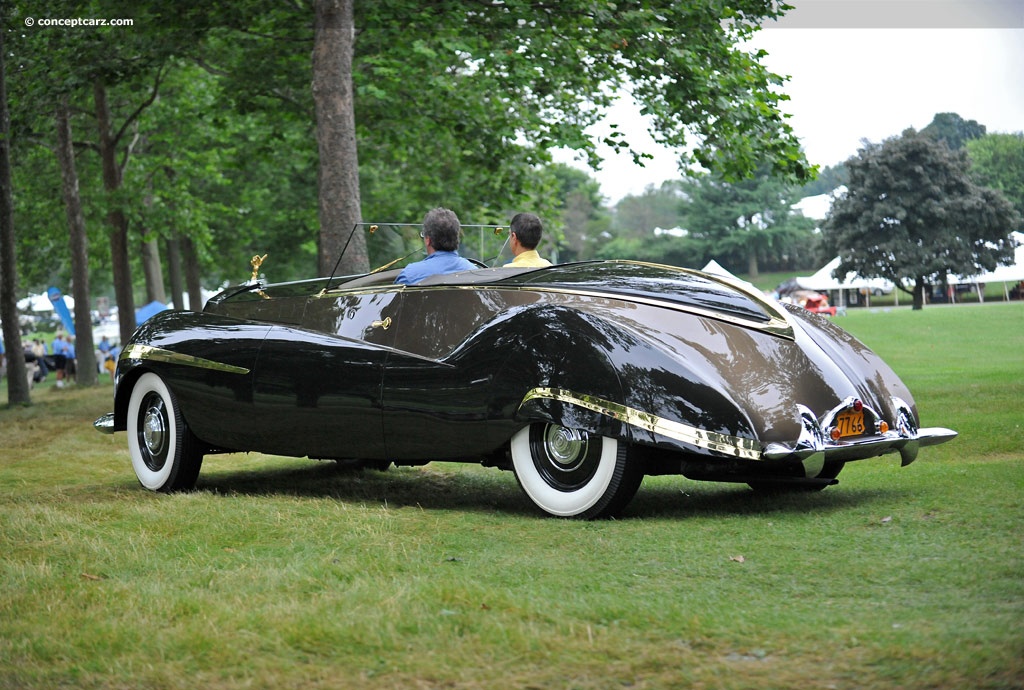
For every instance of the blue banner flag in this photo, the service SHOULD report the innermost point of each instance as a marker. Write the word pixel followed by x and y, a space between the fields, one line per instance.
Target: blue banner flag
pixel 59 306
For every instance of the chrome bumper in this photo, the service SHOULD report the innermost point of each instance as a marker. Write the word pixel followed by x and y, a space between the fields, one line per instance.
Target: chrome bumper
pixel 815 447
pixel 105 424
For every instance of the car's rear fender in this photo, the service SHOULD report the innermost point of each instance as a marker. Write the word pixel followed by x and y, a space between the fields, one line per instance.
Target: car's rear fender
pixel 585 372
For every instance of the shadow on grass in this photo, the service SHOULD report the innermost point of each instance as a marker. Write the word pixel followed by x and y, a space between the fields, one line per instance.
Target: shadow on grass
pixel 490 490
pixel 422 487
pixel 711 499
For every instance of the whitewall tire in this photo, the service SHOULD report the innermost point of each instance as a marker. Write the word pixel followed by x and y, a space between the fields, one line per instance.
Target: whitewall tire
pixel 572 473
pixel 165 454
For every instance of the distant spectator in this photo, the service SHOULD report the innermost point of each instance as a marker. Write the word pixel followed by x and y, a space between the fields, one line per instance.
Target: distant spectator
pixel 71 366
pixel 60 358
pixel 38 350
pixel 110 361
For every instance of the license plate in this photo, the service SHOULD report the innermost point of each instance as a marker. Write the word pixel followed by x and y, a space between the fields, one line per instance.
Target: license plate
pixel 850 423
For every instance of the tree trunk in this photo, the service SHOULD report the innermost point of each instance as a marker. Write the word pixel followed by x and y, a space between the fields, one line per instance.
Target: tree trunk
pixel 120 264
pixel 174 269
pixel 751 264
pixel 192 283
pixel 17 381
pixel 338 176
pixel 919 293
pixel 152 270
pixel 78 243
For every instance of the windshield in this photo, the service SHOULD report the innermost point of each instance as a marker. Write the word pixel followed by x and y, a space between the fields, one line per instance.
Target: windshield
pixel 396 245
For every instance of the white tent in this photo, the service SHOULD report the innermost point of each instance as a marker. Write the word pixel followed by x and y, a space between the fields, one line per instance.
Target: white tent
pixel 816 207
pixel 41 302
pixel 824 281
pixel 716 269
pixel 1014 273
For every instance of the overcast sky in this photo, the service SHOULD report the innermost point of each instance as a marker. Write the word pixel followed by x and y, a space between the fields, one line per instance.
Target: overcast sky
pixel 896 69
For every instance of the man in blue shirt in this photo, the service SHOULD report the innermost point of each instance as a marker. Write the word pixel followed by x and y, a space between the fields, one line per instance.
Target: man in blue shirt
pixel 440 235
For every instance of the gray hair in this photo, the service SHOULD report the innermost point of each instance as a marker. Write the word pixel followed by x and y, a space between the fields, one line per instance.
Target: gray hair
pixel 442 226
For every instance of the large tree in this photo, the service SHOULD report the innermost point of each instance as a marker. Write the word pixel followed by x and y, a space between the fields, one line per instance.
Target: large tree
pixel 78 246
pixel 17 383
pixel 86 66
pixel 911 212
pixel 455 102
pixel 749 221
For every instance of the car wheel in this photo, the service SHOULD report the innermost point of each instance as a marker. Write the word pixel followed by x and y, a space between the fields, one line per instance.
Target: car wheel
pixel 571 473
pixel 165 454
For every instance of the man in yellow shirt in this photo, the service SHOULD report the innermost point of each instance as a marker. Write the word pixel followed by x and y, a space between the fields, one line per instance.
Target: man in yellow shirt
pixel 524 236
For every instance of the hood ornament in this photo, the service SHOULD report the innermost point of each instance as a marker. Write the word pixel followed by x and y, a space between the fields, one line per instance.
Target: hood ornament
pixel 256 262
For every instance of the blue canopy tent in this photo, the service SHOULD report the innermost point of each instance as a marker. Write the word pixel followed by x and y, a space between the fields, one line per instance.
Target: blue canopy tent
pixel 145 312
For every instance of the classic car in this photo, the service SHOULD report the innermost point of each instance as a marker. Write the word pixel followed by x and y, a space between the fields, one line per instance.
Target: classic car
pixel 580 378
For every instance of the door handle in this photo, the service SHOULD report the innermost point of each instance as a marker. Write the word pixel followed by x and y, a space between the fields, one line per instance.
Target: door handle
pixel 385 324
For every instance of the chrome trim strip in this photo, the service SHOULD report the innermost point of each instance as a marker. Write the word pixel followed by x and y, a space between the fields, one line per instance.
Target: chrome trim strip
pixel 733 446
pixel 158 354
pixel 934 435
pixel 362 290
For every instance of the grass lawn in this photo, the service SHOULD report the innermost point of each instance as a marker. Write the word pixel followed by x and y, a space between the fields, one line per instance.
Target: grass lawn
pixel 291 573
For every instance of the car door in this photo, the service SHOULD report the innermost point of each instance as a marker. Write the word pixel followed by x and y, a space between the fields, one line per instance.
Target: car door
pixel 437 382
pixel 318 387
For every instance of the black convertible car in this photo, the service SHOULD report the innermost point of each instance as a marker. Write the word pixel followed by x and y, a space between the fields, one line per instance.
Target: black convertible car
pixel 581 378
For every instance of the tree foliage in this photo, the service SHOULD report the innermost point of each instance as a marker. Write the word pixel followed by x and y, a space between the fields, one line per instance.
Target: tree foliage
pixel 953 130
pixel 746 225
pixel 581 221
pixel 997 161
pixel 657 207
pixel 749 222
pixel 912 212
pixel 829 178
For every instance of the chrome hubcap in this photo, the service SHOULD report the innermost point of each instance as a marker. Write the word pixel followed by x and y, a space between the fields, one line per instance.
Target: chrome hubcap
pixel 154 430
pixel 567 448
